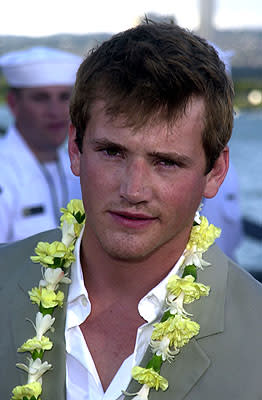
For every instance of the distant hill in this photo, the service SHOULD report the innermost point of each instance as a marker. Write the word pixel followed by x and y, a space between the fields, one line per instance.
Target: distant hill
pixel 246 44
pixel 79 44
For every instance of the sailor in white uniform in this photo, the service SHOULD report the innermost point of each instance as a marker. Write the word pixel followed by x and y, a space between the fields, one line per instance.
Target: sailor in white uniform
pixel 35 175
pixel 224 212
pixel 224 209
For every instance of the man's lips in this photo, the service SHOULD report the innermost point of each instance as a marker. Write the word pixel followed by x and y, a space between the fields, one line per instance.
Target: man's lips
pixel 132 215
pixel 132 220
pixel 56 125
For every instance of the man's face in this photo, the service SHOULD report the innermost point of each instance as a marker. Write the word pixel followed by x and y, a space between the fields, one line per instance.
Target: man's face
pixel 42 116
pixel 141 189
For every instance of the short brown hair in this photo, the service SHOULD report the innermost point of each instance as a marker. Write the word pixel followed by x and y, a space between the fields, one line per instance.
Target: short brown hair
pixel 155 69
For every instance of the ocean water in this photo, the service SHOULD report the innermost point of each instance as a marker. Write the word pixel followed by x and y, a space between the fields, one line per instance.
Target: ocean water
pixel 246 155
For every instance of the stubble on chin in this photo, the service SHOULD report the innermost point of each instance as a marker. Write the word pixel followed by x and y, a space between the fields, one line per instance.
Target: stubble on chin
pixel 128 247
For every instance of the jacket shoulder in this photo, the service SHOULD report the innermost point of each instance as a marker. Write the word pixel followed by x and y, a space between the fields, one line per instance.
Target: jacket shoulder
pixel 15 256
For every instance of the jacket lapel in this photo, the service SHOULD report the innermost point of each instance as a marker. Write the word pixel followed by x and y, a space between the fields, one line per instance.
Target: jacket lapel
pixel 53 380
pixel 209 311
pixel 22 329
pixel 192 362
pixel 183 373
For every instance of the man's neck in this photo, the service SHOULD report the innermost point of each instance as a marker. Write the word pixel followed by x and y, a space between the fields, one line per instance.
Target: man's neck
pixel 117 279
pixel 115 288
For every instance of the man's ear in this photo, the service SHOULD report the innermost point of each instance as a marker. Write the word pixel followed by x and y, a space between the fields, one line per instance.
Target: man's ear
pixel 73 151
pixel 216 176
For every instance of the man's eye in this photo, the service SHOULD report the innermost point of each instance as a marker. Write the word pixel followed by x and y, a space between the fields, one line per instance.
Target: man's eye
pixel 166 162
pixel 112 151
pixel 64 97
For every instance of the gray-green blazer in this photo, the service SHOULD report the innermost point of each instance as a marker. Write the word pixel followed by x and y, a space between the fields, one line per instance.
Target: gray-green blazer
pixel 223 362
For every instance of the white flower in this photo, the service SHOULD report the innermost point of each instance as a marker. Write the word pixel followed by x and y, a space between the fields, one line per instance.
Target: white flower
pixel 161 348
pixel 197 214
pixel 52 277
pixel 194 257
pixel 42 324
pixel 35 369
pixel 68 233
pixel 175 305
pixel 141 395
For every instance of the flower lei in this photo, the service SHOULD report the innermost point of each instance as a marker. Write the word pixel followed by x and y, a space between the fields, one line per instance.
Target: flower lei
pixel 176 328
pixel 55 259
pixel 173 331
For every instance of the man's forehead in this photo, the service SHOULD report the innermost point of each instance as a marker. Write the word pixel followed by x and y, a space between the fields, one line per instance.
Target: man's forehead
pixel 100 113
pixel 184 136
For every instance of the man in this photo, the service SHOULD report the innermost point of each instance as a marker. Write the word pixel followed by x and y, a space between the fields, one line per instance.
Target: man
pixel 224 209
pixel 151 117
pixel 35 176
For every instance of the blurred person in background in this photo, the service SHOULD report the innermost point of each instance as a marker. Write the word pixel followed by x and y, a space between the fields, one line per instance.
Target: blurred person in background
pixel 224 208
pixel 224 211
pixel 35 178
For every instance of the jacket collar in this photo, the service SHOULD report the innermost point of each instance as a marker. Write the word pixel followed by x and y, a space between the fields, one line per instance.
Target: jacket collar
pixel 53 388
pixel 54 380
pixel 209 311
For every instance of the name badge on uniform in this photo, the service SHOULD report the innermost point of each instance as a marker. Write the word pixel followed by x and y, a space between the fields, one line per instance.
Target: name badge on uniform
pixel 29 211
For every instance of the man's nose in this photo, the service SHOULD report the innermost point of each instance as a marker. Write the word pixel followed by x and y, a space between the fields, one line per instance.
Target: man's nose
pixel 56 107
pixel 136 183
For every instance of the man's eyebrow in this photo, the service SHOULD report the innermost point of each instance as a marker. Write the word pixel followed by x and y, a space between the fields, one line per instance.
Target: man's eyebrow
pixel 172 155
pixel 39 92
pixel 106 142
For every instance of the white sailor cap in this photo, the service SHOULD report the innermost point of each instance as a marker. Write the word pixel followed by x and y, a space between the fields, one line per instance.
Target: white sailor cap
pixel 39 66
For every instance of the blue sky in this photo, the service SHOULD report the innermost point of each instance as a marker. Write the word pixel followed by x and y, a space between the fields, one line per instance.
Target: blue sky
pixel 39 18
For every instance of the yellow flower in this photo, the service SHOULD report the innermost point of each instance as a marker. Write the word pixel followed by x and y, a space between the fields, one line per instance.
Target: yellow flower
pixel 35 344
pixel 55 254
pixel 73 213
pixel 48 298
pixel 178 329
pixel 203 235
pixel 29 390
pixel 149 377
pixel 191 290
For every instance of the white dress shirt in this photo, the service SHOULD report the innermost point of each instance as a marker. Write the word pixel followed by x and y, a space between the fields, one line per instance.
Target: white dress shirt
pixel 82 380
